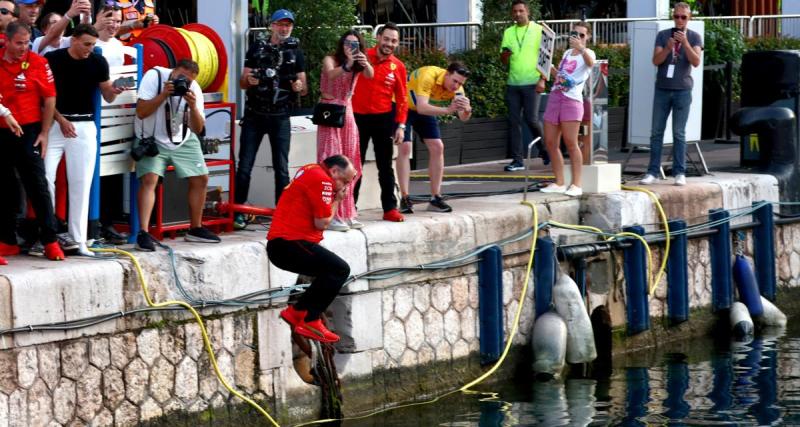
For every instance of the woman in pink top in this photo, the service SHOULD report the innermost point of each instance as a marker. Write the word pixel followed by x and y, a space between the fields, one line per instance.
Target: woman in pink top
pixel 337 80
pixel 565 110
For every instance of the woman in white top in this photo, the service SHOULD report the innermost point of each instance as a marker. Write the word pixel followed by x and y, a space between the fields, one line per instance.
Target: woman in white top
pixel 565 110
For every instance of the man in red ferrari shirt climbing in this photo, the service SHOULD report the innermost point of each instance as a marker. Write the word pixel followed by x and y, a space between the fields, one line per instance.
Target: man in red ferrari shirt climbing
pixel 304 210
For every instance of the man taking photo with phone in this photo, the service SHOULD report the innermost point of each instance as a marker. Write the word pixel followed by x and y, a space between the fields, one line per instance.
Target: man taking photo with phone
pixel 677 50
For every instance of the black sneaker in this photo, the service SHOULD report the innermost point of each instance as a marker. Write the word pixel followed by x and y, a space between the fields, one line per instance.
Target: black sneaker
pixel 514 166
pixel 37 249
pixel 66 242
pixel 239 222
pixel 145 242
pixel 437 204
pixel 201 235
pixel 406 205
pixel 111 235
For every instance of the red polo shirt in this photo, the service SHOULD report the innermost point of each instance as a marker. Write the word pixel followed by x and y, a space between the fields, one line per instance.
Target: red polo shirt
pixel 308 196
pixel 24 85
pixel 375 95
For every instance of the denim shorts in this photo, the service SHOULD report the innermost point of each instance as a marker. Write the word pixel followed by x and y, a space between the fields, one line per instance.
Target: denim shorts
pixel 427 127
pixel 561 108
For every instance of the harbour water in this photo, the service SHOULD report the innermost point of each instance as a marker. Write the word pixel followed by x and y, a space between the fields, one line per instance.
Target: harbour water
pixel 700 382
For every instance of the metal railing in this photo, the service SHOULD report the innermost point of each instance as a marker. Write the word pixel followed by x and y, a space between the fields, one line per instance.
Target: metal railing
pixel 450 37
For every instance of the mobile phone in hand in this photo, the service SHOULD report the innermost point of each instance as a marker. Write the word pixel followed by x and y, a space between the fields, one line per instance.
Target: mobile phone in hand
pixel 354 45
pixel 124 83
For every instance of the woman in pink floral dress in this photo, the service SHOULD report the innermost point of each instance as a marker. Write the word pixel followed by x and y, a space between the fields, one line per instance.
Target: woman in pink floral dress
pixel 339 74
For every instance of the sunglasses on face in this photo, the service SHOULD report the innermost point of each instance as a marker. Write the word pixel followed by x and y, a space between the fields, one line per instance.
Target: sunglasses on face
pixel 680 17
pixel 463 71
pixel 4 11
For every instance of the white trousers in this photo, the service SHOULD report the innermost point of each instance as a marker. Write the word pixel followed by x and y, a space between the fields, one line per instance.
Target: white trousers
pixel 81 154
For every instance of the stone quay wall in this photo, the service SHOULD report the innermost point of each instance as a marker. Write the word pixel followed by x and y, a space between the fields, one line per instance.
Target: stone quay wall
pixel 145 366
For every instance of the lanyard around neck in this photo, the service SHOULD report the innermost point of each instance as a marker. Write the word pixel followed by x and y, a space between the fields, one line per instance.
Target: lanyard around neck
pixel 516 34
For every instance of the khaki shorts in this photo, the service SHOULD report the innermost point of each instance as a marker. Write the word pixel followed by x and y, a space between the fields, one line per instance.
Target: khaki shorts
pixel 187 159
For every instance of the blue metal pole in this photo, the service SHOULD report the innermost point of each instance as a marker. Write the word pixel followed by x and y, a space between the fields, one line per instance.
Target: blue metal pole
pixel 94 192
pixel 764 251
pixel 133 202
pixel 677 278
pixel 720 248
pixel 635 268
pixel 580 274
pixel 544 270
pixel 490 309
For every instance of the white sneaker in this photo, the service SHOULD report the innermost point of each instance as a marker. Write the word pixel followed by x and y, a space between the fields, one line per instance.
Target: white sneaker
pixel 680 180
pixel 574 191
pixel 648 179
pixel 553 188
pixel 338 225
pixel 355 224
pixel 84 250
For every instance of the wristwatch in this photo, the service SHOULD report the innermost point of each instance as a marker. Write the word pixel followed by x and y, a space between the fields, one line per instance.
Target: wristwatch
pixel 402 126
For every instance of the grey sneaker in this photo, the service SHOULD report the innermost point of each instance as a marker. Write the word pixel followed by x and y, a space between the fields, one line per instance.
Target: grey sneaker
pixel 337 224
pixel 201 235
pixel 37 249
pixel 437 204
pixel 66 242
pixel 406 205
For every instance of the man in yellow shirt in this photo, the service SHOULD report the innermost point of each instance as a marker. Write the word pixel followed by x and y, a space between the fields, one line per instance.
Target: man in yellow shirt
pixel 432 92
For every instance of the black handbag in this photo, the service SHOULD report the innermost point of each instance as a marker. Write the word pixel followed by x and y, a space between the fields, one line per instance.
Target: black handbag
pixel 331 115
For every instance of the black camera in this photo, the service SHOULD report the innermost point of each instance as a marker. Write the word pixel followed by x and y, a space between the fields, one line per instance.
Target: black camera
pixel 180 86
pixel 146 147
pixel 274 62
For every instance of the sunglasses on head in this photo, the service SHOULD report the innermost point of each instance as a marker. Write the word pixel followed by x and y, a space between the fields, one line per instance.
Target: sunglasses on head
pixel 4 11
pixel 681 17
pixel 463 71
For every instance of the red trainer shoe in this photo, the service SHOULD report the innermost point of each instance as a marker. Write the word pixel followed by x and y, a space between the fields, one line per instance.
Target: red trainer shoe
pixel 8 250
pixel 3 261
pixel 53 252
pixel 292 316
pixel 316 330
pixel 393 215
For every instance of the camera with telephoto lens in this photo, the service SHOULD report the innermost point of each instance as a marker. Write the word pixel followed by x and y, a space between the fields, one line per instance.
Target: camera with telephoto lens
pixel 274 63
pixel 146 147
pixel 180 86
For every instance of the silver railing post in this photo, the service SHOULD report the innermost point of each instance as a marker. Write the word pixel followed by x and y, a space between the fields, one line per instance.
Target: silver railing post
pixel 527 163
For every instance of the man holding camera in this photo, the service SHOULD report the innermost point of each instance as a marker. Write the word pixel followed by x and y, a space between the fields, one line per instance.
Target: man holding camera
pixel 432 92
pixel 677 50
pixel 169 116
pixel 273 73
pixel 520 51
pixel 75 134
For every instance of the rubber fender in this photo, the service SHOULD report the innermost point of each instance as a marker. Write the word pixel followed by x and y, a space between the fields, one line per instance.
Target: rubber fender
pixel 741 322
pixel 549 344
pixel 772 316
pixel 569 305
pixel 748 287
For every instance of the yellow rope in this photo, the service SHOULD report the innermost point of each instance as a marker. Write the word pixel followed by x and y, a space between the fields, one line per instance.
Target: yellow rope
pixel 663 216
pixel 200 323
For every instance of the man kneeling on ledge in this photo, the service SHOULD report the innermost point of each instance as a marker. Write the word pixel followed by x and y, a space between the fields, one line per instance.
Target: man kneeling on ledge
pixel 305 209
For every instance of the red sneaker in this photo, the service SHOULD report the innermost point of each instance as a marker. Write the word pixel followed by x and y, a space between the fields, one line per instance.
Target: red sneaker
pixel 393 215
pixel 316 330
pixel 53 252
pixel 8 250
pixel 3 261
pixel 292 316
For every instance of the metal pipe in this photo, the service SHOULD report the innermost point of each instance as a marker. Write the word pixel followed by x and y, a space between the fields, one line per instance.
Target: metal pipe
pixel 527 165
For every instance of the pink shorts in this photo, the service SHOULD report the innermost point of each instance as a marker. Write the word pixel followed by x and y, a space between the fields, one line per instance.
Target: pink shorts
pixel 561 108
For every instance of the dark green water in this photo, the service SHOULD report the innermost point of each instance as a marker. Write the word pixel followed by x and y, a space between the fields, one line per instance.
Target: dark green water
pixel 701 382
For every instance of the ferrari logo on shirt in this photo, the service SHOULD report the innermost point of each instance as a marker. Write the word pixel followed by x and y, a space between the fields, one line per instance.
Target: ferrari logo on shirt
pixel 392 66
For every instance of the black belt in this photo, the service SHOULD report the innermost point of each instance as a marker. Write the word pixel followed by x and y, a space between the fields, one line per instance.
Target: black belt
pixel 79 117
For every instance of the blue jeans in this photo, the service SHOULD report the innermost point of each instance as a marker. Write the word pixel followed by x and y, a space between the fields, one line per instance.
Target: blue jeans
pixel 664 101
pixel 278 128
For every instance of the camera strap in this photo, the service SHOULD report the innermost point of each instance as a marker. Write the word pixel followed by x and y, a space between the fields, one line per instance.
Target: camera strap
pixel 170 112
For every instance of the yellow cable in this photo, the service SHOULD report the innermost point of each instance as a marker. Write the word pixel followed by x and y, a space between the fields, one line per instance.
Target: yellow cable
pixel 200 323
pixel 521 304
pixel 479 176
pixel 663 216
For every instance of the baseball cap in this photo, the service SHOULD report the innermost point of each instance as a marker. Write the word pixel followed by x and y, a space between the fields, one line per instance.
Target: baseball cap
pixel 29 1
pixel 281 15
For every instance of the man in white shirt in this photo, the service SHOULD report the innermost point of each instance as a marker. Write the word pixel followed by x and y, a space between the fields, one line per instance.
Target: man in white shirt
pixel 107 21
pixel 169 116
